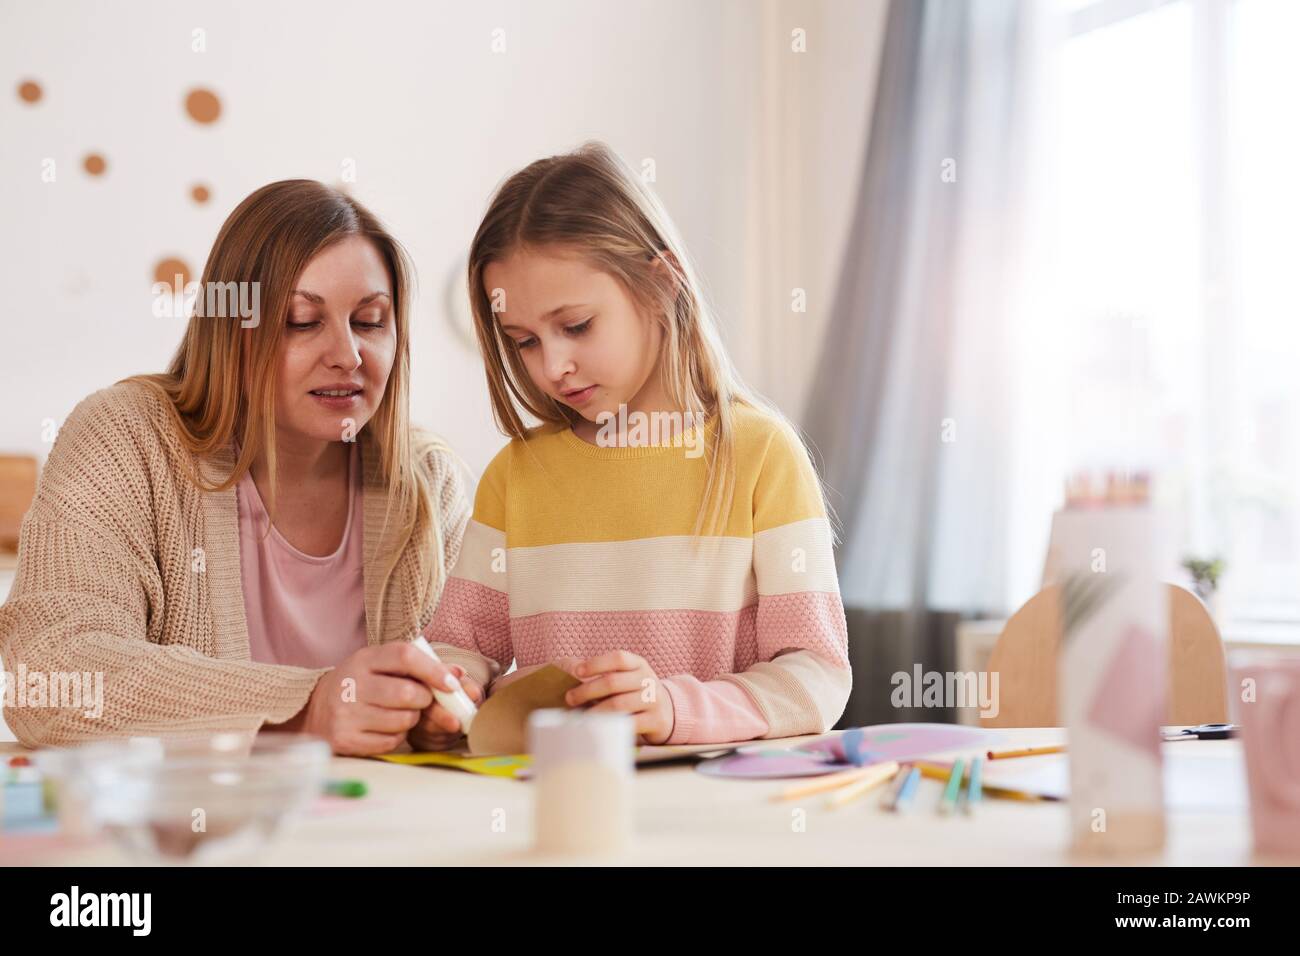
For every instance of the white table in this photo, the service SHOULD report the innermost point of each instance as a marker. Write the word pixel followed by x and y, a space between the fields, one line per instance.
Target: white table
pixel 432 816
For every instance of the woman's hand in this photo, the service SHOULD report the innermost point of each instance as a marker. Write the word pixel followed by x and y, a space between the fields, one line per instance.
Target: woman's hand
pixel 366 704
pixel 439 728
pixel 622 682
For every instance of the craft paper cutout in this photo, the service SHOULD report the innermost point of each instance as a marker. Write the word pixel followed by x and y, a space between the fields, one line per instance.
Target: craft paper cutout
pixel 501 726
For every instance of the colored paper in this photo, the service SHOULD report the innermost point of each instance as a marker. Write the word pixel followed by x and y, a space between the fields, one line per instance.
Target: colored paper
pixel 857 746
pixel 500 765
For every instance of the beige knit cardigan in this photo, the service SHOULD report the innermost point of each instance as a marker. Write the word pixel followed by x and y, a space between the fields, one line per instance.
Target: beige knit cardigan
pixel 126 568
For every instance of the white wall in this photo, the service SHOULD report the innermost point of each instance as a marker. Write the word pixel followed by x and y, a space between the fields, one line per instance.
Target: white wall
pixel 812 120
pixel 434 120
pixel 757 151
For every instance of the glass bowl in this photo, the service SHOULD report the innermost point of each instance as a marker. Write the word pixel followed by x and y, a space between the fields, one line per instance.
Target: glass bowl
pixel 218 798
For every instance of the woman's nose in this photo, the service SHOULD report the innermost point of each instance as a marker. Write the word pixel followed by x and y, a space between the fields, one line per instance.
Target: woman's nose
pixel 343 352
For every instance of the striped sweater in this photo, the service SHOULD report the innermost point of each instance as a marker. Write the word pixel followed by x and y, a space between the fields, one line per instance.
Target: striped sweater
pixel 576 549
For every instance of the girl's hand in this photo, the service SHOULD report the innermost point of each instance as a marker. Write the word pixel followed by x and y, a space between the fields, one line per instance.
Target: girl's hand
pixel 367 704
pixel 439 729
pixel 623 682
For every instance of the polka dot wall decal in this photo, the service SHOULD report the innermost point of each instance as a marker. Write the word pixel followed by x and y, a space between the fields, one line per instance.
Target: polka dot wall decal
pixel 200 193
pixel 94 164
pixel 167 270
pixel 29 91
pixel 203 106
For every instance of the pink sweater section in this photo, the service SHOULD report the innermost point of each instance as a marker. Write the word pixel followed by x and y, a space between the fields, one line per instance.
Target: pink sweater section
pixel 715 710
pixel 301 609
pixel 683 644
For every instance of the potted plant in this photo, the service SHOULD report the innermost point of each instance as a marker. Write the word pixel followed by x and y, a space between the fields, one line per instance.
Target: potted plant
pixel 1205 578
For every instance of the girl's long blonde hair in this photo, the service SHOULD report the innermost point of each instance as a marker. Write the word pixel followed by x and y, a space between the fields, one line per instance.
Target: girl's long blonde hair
pixel 221 384
pixel 590 202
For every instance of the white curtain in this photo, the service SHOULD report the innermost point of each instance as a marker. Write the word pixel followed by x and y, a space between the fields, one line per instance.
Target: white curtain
pixel 916 407
pixel 915 404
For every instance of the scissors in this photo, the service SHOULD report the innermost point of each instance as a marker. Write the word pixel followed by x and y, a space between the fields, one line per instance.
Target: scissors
pixel 1203 732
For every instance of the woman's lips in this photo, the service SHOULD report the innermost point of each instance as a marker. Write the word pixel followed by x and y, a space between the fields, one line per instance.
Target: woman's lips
pixel 338 401
pixel 580 397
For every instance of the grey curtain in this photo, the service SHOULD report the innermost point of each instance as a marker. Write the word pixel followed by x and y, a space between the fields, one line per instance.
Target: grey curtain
pixel 913 462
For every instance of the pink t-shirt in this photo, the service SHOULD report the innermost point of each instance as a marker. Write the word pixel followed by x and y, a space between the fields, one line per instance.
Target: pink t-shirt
pixel 302 610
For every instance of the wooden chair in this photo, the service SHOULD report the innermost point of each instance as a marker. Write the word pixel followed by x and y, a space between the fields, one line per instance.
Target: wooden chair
pixel 1025 660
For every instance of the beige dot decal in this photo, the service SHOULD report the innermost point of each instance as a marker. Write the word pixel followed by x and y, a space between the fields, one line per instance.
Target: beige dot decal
pixel 29 91
pixel 167 270
pixel 203 106
pixel 95 164
pixel 200 193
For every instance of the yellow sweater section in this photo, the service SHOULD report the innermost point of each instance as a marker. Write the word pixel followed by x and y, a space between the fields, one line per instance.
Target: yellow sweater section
pixel 555 488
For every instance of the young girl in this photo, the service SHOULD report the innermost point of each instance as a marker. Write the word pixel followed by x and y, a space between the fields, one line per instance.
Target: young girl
pixel 685 574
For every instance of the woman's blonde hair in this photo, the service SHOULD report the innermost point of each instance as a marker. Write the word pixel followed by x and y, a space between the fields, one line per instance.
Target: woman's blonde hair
pixel 589 201
pixel 221 384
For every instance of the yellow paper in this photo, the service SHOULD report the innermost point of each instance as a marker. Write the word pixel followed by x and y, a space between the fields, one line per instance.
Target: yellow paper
pixel 518 766
pixel 501 765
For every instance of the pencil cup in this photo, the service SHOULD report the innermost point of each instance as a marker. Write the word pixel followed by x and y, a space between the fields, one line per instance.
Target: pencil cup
pixel 583 765
pixel 1265 698
pixel 1113 674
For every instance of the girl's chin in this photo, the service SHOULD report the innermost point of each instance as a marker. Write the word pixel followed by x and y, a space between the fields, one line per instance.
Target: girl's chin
pixel 594 410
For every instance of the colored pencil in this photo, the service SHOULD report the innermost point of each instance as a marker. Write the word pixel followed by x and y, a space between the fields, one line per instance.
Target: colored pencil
pixel 974 789
pixel 1025 752
pixel 950 793
pixel 847 794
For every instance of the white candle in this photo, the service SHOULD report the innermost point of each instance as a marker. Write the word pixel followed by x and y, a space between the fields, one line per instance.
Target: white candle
pixel 583 766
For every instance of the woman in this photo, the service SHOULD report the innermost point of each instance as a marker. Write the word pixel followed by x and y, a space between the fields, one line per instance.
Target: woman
pixel 253 537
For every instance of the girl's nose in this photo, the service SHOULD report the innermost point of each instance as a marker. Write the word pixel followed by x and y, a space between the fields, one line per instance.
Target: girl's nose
pixel 558 362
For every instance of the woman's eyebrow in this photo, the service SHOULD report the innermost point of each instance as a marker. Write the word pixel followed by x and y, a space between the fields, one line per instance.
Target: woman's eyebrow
pixel 319 300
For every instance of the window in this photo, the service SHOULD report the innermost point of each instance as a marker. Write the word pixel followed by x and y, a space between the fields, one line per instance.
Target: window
pixel 1176 220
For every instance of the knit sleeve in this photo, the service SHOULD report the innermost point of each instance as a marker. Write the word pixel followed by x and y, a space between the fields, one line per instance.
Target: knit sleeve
pixel 449 480
pixel 712 712
pixel 802 681
pixel 474 613
pixel 86 609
